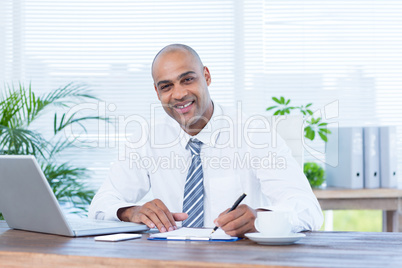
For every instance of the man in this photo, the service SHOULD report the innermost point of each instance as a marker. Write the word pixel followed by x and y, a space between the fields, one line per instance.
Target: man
pixel 220 162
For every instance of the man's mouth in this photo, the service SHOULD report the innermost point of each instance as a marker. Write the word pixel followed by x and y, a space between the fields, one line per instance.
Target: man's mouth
pixel 183 107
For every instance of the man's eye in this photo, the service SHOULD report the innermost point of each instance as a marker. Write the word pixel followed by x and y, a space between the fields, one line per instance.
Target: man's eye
pixel 164 87
pixel 188 79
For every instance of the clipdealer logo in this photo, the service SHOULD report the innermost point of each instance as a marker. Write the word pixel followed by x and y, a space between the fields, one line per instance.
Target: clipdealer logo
pixel 116 130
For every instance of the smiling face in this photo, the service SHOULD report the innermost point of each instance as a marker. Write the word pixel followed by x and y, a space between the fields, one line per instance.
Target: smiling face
pixel 181 83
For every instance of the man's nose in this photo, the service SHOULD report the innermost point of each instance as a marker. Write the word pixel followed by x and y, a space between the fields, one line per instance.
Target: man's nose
pixel 180 92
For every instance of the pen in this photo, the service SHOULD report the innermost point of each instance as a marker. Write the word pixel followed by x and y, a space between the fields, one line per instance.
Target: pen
pixel 238 201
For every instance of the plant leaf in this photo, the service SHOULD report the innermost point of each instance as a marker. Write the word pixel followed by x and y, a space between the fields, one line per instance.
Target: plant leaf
pixel 19 107
pixel 323 136
pixel 314 173
pixel 272 107
pixel 309 133
pixel 325 130
pixel 276 100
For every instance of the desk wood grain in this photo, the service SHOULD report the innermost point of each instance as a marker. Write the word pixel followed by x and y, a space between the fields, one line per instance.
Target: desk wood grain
pixel 317 249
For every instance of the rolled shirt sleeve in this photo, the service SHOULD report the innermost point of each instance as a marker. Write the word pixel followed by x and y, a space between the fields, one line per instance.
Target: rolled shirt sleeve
pixel 125 186
pixel 287 189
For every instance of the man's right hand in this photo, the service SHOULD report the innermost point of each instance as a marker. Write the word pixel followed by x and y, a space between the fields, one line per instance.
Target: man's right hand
pixel 153 214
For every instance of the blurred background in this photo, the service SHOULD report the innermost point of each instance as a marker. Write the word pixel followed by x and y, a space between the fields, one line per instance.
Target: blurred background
pixel 345 55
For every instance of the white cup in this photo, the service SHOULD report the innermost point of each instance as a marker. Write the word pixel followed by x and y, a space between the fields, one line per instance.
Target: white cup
pixel 273 223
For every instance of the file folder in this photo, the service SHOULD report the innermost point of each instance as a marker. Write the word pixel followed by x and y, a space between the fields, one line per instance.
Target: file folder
pixel 388 157
pixel 344 158
pixel 371 152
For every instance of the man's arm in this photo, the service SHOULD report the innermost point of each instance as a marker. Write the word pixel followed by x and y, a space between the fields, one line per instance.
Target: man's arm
pixel 119 198
pixel 287 188
pixel 124 187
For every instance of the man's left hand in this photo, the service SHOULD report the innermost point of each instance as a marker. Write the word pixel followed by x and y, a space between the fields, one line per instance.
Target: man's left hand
pixel 237 222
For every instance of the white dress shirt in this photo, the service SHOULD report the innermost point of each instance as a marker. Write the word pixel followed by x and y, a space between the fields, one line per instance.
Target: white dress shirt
pixel 239 155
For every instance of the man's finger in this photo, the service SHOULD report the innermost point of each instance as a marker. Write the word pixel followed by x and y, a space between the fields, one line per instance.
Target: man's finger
pixel 235 221
pixel 144 219
pixel 225 212
pixel 231 217
pixel 224 218
pixel 158 217
pixel 247 228
pixel 216 221
pixel 170 224
pixel 180 216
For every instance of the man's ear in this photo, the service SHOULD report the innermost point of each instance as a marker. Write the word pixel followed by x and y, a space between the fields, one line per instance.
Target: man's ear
pixel 207 75
pixel 157 92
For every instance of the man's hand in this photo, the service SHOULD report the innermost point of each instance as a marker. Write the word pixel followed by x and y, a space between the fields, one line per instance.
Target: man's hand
pixel 237 222
pixel 153 213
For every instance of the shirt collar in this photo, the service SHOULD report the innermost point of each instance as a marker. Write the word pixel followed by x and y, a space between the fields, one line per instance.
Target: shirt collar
pixel 210 133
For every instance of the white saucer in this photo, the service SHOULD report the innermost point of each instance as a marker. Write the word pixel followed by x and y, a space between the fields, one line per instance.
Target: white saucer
pixel 274 240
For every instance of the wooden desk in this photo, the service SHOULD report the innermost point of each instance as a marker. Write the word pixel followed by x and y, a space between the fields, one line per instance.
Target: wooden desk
pixel 387 200
pixel 317 249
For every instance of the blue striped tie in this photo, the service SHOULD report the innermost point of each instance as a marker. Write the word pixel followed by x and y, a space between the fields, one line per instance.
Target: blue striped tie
pixel 193 202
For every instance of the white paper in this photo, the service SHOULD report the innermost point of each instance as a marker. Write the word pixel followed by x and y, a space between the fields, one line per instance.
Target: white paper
pixel 117 237
pixel 185 233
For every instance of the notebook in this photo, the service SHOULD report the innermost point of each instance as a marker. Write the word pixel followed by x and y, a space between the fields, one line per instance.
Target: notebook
pixel 194 234
pixel 28 203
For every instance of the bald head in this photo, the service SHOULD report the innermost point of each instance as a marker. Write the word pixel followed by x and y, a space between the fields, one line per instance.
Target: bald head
pixel 181 82
pixel 176 48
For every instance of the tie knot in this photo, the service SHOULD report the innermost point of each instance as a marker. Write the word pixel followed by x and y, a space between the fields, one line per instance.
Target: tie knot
pixel 195 146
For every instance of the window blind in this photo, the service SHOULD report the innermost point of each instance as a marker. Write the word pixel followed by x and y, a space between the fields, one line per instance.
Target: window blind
pixel 109 46
pixel 342 54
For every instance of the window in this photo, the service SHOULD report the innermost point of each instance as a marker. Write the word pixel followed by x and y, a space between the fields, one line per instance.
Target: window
pixel 325 52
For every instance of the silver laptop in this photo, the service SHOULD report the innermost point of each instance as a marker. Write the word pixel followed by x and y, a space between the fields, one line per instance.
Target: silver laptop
pixel 28 203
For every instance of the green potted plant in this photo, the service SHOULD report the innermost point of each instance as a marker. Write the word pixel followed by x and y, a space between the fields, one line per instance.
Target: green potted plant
pixel 314 173
pixel 315 126
pixel 19 108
